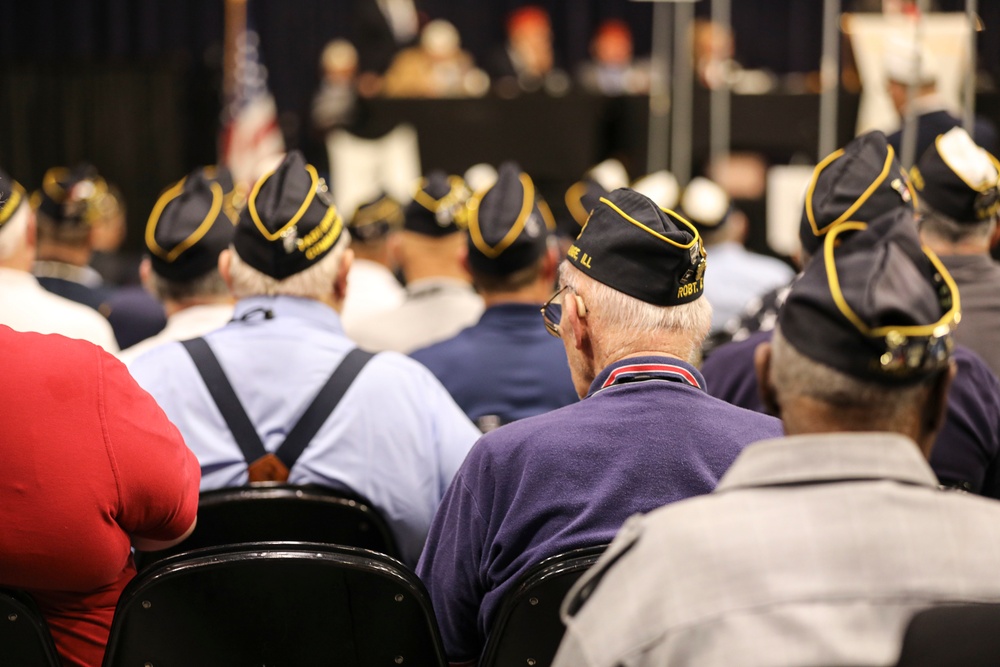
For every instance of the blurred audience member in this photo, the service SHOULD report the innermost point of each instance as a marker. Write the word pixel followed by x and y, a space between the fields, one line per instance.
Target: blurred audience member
pixel 24 304
pixel 335 103
pixel 631 317
pixel 958 207
pixel 611 69
pixel 190 225
pixel 92 468
pixel 436 67
pixel 116 266
pixel 394 435
pixel 818 547
pixel 440 300
pixel 583 196
pixel 735 275
pixel 67 207
pixel 506 367
pixel 526 62
pixel 908 64
pixel 372 283
pixel 381 28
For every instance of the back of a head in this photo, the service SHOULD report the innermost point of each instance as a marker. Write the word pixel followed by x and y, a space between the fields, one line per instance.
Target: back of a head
pixel 290 238
pixel 434 226
pixel 706 206
pixel 644 267
pixel 187 230
pixel 867 327
pixel 908 63
pixel 509 227
pixel 68 204
pixel 958 185
pixel 861 181
pixel 374 220
pixel 14 216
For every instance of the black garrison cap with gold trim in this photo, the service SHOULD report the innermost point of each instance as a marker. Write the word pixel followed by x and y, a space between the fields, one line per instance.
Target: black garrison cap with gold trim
pixel 874 304
pixel 189 227
pixel 439 205
pixel 958 179
pixel 290 222
pixel 71 196
pixel 12 197
pixel 634 246
pixel 861 181
pixel 374 219
pixel 508 224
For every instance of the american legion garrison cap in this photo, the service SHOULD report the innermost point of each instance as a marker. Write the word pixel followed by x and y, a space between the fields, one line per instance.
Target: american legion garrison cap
pixel 12 197
pixel 874 304
pixel 861 181
pixel 509 224
pixel 189 226
pixel 290 222
pixel 632 245
pixel 71 196
pixel 374 219
pixel 438 206
pixel 958 179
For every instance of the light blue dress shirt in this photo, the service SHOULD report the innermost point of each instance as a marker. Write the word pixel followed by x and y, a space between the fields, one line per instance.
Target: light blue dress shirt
pixel 734 276
pixel 396 437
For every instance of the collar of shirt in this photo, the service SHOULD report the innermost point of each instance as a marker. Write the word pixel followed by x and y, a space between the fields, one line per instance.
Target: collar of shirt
pixel 417 289
pixel 828 457
pixel 253 308
pixel 643 369
pixel 18 278
pixel 929 104
pixel 83 275
pixel 513 316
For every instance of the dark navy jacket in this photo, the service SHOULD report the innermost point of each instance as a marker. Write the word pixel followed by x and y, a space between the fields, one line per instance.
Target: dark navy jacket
pixel 967 451
pixel 569 479
pixel 504 368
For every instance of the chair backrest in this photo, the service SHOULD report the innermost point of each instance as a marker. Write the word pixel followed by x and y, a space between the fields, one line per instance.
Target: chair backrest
pixel 275 603
pixel 282 512
pixel 967 635
pixel 24 635
pixel 527 629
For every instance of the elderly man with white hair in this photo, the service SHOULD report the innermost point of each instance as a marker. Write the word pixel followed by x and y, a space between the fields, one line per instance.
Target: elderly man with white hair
pixel 304 404
pixel 631 315
pixel 24 304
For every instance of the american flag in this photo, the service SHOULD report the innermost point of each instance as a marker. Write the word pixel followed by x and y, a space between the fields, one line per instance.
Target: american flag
pixel 251 140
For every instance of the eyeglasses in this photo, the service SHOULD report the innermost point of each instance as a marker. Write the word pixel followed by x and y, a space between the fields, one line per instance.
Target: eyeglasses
pixel 552 311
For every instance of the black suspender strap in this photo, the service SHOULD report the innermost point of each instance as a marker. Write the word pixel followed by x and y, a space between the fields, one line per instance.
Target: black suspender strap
pixel 243 429
pixel 225 398
pixel 322 406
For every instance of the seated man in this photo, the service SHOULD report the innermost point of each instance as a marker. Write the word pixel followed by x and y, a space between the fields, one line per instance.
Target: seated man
pixel 958 209
pixel 395 436
pixel 816 548
pixel 632 318
pixel 92 467
pixel 506 367
pixel 187 230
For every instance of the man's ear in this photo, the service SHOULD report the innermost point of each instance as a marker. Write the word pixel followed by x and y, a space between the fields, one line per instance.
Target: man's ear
pixel 551 264
pixel 340 283
pixel 225 261
pixel 937 402
pixel 996 235
pixel 145 269
pixel 762 366
pixel 575 317
pixel 463 259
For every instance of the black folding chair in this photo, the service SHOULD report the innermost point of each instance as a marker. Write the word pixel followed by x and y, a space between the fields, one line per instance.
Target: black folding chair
pixel 288 604
pixel 282 512
pixel 966 635
pixel 24 635
pixel 527 629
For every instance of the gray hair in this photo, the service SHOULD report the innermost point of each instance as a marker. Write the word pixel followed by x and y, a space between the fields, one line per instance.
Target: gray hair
pixel 624 320
pixel 950 230
pixel 888 408
pixel 316 282
pixel 14 233
pixel 210 285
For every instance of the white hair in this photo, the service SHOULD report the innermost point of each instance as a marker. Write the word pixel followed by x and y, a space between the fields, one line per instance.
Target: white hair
pixel 625 321
pixel 14 233
pixel 947 229
pixel 794 374
pixel 316 282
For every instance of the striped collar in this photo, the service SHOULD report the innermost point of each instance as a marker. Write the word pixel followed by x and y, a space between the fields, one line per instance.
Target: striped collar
pixel 643 369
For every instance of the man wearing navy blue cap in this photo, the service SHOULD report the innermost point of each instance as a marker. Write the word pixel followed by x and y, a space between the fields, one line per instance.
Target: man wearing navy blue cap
pixel 816 548
pixel 959 204
pixel 506 367
pixel 631 315
pixel 385 427
pixel 862 182
pixel 189 227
